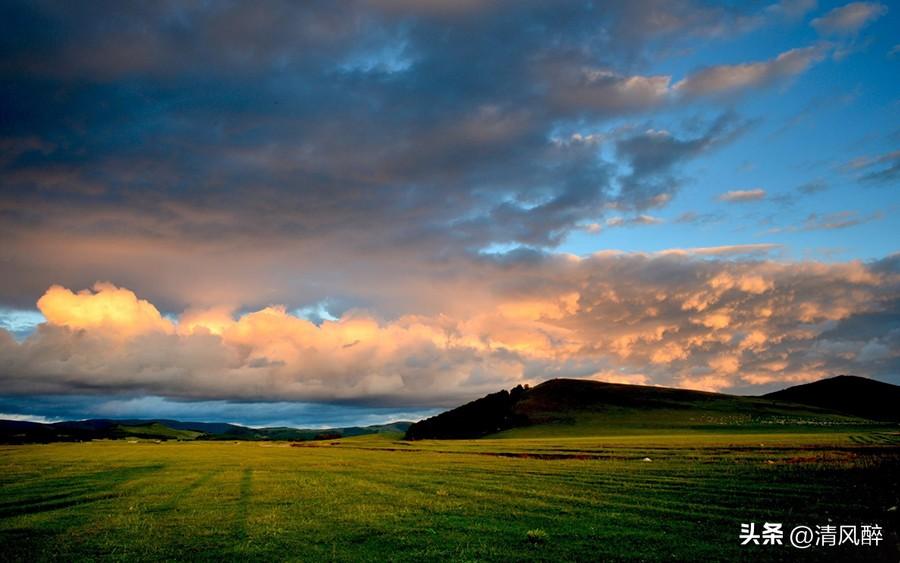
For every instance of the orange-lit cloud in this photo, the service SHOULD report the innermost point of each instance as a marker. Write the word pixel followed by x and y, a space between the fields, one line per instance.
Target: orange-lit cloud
pixel 665 319
pixel 115 311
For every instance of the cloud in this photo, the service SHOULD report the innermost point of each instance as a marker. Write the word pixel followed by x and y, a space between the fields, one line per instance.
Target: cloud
pixel 831 221
pixel 655 155
pixel 813 187
pixel 742 196
pixel 792 9
pixel 731 78
pixel 614 376
pixel 607 92
pixel 108 308
pixel 694 218
pixel 27 418
pixel 603 90
pixel 296 212
pixel 837 220
pixel 345 142
pixel 672 317
pixel 882 169
pixel 633 221
pixel 253 414
pixel 724 250
pixel 849 19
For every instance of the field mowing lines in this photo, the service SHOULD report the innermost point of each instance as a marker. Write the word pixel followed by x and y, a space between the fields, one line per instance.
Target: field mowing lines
pixel 426 488
pixel 373 483
pixel 710 486
pixel 479 486
pixel 175 499
pixel 603 498
pixel 599 472
pixel 328 491
pixel 707 455
pixel 719 482
pixel 62 495
pixel 107 478
pixel 246 492
pixel 51 503
pixel 427 492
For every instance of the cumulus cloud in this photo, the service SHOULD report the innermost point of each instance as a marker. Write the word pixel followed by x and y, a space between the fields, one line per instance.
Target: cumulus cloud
pixel 107 308
pixel 849 19
pixel 673 318
pixel 741 196
pixel 730 78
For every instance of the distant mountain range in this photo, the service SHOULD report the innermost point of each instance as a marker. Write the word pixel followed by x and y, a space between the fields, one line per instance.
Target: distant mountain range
pixel 16 431
pixel 576 407
pixel 559 407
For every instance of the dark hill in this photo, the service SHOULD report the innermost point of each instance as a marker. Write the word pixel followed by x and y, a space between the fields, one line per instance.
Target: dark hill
pixel 492 413
pixel 858 396
pixel 20 432
pixel 574 407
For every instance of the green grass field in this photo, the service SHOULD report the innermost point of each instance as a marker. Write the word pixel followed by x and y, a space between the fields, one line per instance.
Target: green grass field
pixel 378 498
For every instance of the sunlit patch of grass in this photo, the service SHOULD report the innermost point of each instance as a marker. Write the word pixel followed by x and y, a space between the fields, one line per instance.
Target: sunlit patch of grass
pixel 371 498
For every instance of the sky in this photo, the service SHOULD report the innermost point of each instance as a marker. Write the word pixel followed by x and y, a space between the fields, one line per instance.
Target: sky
pixel 323 214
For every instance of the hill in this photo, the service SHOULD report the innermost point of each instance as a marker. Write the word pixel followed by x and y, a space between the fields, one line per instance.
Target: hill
pixel 849 394
pixel 19 432
pixel 573 407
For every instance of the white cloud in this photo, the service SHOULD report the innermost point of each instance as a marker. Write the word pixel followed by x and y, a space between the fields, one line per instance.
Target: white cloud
pixel 849 19
pixel 27 418
pixel 740 196
pixel 731 78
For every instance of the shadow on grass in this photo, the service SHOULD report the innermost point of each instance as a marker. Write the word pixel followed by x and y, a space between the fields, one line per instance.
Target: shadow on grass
pixel 74 491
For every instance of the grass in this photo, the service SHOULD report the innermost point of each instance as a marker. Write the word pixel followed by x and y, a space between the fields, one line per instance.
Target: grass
pixel 377 498
pixel 157 430
pixel 707 414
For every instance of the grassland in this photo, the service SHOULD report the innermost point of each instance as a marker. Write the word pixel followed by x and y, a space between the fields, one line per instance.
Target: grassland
pixel 376 498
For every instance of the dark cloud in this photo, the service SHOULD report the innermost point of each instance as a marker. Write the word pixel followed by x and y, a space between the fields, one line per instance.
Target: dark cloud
pixel 51 408
pixel 163 144
pixel 654 156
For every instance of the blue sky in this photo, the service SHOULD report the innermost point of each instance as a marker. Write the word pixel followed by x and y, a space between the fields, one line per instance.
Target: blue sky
pixel 312 215
pixel 806 131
